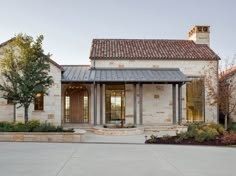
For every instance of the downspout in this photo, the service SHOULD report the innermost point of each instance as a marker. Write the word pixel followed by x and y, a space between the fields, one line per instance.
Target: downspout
pixel 94 96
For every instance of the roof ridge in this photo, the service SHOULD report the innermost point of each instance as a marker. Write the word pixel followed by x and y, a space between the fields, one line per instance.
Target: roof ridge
pixel 144 39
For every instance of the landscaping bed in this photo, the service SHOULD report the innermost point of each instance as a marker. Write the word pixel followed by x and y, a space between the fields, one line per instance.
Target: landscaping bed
pixel 31 126
pixel 34 131
pixel 198 134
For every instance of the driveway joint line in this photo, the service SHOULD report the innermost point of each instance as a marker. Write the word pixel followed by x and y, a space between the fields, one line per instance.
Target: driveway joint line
pixel 65 163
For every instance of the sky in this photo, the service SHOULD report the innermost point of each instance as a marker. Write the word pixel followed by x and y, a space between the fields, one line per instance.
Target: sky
pixel 69 26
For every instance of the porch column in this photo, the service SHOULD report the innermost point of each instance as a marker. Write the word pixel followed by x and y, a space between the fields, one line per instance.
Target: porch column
pixel 135 104
pixel 174 103
pixel 95 103
pixel 180 104
pixel 141 103
pixel 101 104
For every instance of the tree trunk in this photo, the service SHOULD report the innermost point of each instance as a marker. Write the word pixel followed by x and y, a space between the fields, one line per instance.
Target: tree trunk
pixel 14 112
pixel 26 114
pixel 226 122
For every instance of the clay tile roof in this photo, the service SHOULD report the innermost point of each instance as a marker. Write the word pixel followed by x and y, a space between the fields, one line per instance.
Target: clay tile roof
pixel 150 49
pixel 227 73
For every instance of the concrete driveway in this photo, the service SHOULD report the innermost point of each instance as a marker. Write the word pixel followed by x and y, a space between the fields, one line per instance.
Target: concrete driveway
pixel 52 159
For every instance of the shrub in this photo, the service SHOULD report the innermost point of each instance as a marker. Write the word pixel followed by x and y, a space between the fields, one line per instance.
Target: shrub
pixel 206 133
pixel 47 127
pixel 5 126
pixel 183 135
pixel 20 127
pixel 229 138
pixel 33 124
pixel 200 135
pixel 220 129
pixel 232 127
pixel 152 139
pixel 202 132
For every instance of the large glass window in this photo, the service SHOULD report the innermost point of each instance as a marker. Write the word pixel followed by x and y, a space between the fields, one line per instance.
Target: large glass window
pixel 195 100
pixel 115 100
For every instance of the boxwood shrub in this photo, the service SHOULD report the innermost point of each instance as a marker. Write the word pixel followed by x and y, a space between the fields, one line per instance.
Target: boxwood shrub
pixel 31 126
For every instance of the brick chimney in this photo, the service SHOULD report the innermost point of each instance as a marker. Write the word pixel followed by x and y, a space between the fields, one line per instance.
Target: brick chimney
pixel 200 35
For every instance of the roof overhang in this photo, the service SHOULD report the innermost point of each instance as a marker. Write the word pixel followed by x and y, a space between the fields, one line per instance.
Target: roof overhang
pixel 124 75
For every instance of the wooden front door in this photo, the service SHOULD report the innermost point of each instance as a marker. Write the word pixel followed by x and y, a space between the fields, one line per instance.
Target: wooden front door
pixel 77 104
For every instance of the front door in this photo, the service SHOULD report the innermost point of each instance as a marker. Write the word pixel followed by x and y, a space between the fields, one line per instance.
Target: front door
pixel 115 100
pixel 76 105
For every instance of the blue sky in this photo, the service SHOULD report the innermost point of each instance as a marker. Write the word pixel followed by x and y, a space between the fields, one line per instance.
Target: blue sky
pixel 70 25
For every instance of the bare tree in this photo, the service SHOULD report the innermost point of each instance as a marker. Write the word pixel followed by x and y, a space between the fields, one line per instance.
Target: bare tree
pixel 223 94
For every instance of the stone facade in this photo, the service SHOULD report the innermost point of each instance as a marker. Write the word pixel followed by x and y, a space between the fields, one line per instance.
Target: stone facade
pixel 52 104
pixel 157 98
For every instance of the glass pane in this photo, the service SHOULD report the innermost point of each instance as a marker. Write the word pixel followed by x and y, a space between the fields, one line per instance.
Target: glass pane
pixel 114 102
pixel 195 100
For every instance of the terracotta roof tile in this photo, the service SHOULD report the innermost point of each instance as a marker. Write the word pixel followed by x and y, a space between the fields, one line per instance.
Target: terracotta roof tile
pixel 227 73
pixel 150 49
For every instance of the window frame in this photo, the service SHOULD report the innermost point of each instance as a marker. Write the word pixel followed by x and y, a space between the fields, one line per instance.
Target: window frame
pixel 38 101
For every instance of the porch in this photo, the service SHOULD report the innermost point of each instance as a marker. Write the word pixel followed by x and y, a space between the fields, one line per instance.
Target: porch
pixel 135 96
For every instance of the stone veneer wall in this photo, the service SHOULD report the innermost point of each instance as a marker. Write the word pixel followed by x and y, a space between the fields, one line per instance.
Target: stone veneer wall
pixel 52 104
pixel 6 110
pixel 157 99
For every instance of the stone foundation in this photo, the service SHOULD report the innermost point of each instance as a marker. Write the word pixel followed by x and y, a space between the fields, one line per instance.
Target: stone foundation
pixel 40 137
pixel 118 131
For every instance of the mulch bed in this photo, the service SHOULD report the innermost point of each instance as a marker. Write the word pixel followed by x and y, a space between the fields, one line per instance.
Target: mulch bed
pixel 175 140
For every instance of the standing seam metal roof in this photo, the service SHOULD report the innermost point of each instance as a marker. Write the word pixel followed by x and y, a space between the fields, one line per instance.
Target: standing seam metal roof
pixel 146 75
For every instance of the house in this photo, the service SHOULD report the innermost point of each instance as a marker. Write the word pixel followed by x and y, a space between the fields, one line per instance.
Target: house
pixel 143 82
pixel 227 89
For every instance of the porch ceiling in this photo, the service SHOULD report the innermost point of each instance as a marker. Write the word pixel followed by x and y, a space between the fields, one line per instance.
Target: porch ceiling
pixel 132 75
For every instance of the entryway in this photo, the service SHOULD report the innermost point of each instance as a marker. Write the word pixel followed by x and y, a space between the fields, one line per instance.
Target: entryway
pixel 76 104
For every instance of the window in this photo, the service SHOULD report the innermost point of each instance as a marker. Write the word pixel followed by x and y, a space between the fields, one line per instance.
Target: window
pixel 10 101
pixel 38 102
pixel 195 100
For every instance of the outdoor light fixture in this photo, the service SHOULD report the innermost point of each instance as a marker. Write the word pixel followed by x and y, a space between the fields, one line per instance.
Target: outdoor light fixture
pixel 38 95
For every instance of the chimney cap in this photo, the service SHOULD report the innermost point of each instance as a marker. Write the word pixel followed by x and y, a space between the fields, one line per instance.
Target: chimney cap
pixel 199 29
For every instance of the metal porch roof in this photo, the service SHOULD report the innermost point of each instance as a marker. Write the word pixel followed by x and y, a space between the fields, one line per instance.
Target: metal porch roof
pixel 144 75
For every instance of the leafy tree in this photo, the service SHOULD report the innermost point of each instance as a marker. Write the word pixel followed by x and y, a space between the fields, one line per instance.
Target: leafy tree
pixel 24 68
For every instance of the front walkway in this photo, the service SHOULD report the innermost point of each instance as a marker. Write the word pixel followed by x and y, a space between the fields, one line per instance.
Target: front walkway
pixel 64 159
pixel 90 137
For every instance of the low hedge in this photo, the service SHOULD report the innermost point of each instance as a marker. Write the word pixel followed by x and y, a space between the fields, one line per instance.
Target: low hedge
pixel 31 126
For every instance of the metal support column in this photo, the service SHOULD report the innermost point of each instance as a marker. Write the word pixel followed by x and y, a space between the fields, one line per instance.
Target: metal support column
pixel 95 103
pixel 174 103
pixel 101 105
pixel 141 103
pixel 135 104
pixel 180 104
